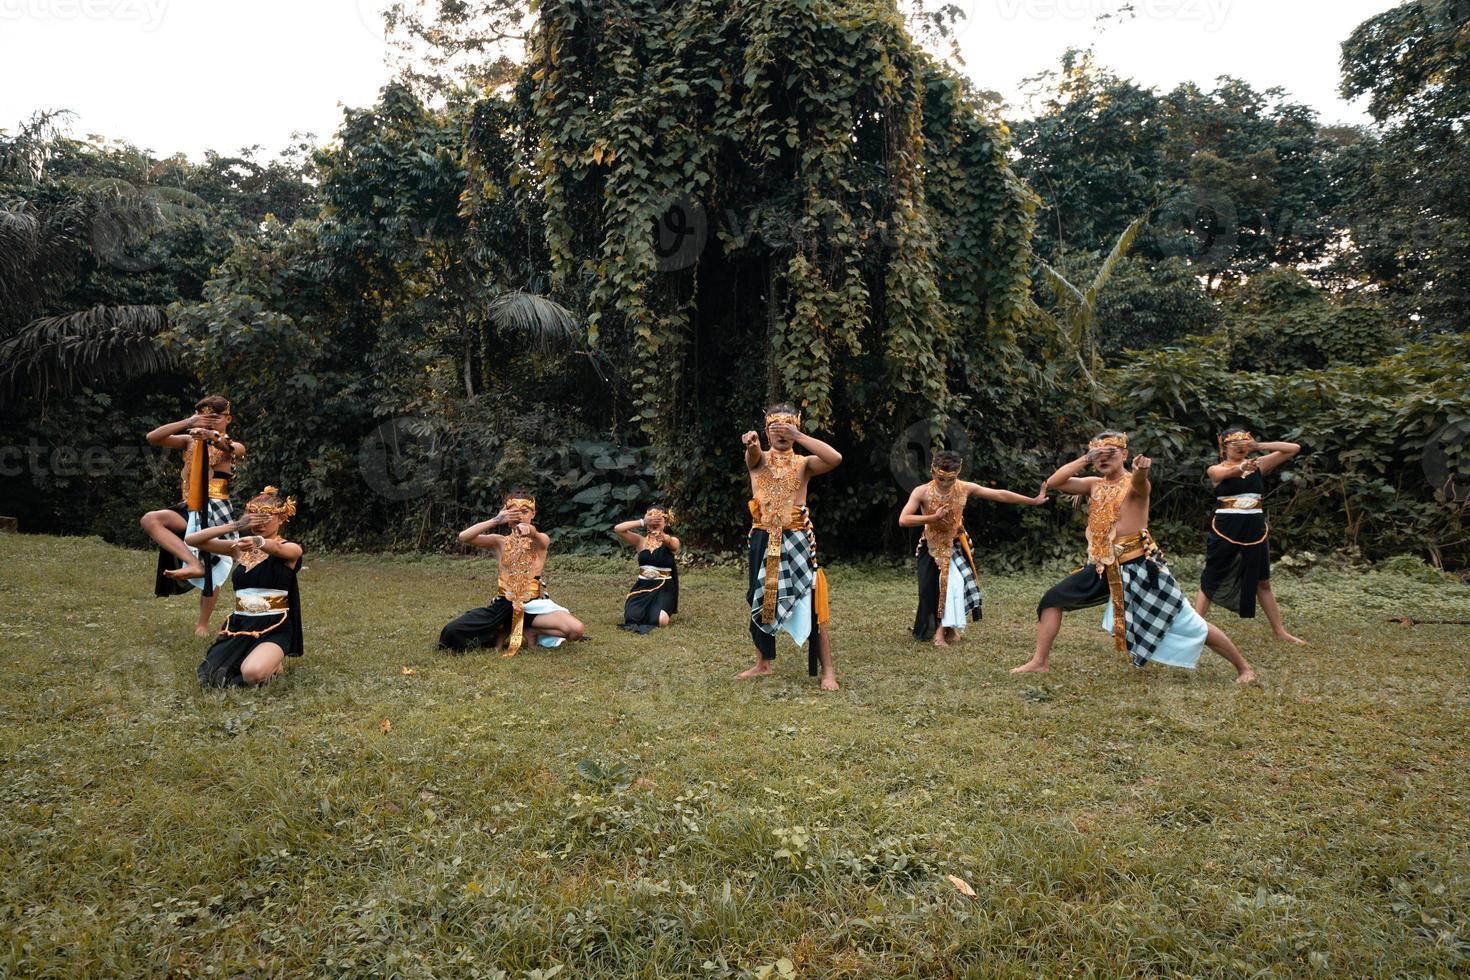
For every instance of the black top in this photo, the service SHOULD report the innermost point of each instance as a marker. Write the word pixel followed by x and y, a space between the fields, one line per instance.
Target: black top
pixel 1234 486
pixel 273 573
pixel 660 557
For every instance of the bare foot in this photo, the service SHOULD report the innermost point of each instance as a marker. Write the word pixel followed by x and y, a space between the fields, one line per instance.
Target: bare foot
pixel 762 668
pixel 939 639
pixel 1032 666
pixel 1247 676
pixel 829 682
pixel 193 569
pixel 1286 637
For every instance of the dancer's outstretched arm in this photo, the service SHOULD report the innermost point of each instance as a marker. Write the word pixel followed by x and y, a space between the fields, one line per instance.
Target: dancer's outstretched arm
pixel 1007 496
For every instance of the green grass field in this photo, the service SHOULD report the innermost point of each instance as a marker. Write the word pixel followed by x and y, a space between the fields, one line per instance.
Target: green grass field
pixel 624 808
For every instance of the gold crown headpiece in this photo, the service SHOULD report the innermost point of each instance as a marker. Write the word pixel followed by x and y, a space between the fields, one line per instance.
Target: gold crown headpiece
pixel 1108 442
pixel 223 411
pixel 521 503
pixel 784 418
pixel 944 474
pixel 1241 436
pixel 285 511
pixel 667 515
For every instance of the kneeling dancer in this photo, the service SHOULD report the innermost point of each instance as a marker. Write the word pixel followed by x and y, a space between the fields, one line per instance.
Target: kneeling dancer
pixel 522 609
pixel 1147 613
pixel 787 588
pixel 654 598
pixel 265 627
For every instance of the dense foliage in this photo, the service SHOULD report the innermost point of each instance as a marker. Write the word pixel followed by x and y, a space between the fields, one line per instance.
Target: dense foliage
pixel 586 269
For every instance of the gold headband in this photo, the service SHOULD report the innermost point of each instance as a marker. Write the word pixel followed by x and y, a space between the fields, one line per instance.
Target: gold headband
pixel 284 511
pixel 1108 442
pixel 783 418
pixel 659 511
pixel 222 411
pixel 944 474
pixel 1237 437
pixel 520 503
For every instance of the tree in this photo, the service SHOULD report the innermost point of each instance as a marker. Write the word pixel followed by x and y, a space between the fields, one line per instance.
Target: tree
pixel 1407 186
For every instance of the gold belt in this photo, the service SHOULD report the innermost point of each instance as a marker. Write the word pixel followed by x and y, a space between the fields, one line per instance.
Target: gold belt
pixel 1239 503
pixel 1131 548
pixel 798 520
pixel 219 488
pixel 260 603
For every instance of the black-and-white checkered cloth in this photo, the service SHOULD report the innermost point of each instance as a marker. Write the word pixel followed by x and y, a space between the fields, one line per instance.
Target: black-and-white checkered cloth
pixel 798 575
pixel 958 563
pixel 1151 601
pixel 220 512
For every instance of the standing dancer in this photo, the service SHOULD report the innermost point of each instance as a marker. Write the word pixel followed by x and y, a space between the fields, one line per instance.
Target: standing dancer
pixel 522 610
pixel 939 508
pixel 265 627
pixel 655 595
pixel 1147 613
pixel 1237 553
pixel 178 564
pixel 788 588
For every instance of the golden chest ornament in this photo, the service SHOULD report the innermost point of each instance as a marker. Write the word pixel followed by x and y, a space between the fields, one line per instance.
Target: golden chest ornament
pixel 249 559
pixel 1104 505
pixel 517 568
pixel 776 484
pixel 939 536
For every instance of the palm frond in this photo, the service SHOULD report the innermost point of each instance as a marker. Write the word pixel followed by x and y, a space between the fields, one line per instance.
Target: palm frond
pixel 545 323
pixel 1120 249
pixel 58 354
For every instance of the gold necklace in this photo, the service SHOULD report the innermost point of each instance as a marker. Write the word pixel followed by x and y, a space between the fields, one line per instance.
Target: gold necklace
pixel 255 555
pixel 776 484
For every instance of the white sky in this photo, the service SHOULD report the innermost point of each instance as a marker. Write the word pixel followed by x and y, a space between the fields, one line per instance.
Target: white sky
pixel 186 75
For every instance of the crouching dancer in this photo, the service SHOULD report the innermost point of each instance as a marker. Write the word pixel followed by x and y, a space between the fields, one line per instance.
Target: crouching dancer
pixel 1147 614
pixel 522 609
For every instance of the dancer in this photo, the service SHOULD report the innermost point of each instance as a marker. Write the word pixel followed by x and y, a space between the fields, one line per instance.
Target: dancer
pixel 939 508
pixel 655 595
pixel 1147 613
pixel 522 610
pixel 788 588
pixel 177 563
pixel 1237 552
pixel 265 627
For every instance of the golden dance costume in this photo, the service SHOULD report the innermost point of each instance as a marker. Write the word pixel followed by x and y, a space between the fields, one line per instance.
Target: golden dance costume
pixel 1147 614
pixel 949 582
pixel 520 597
pixel 787 588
